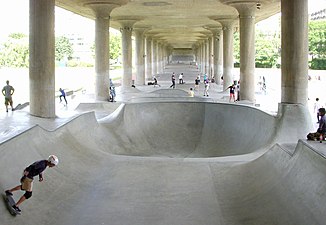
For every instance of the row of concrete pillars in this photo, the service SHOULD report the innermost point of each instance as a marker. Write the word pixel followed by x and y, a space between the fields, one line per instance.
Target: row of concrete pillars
pixel 152 54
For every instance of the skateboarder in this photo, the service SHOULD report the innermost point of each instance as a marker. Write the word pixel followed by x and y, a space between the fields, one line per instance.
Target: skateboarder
pixel 26 181
pixel 63 94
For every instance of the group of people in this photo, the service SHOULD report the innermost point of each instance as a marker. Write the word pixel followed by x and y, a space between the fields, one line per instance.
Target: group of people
pixel 8 91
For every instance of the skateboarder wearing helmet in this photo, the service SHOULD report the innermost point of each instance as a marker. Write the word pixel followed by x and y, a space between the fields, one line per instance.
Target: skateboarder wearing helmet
pixel 30 172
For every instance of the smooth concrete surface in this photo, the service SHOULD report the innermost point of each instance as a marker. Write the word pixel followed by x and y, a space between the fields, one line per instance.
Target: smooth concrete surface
pixel 157 156
pixel 279 184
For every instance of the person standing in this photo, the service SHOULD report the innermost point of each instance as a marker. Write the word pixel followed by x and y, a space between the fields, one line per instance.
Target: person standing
pixel 316 108
pixel 238 91
pixel 206 87
pixel 63 94
pixel 197 83
pixel 8 91
pixel 181 78
pixel 112 92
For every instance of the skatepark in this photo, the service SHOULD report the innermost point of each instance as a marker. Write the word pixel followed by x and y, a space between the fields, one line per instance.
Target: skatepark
pixel 158 156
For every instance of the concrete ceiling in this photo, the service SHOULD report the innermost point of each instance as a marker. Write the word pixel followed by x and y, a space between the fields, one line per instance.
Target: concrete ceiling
pixel 178 23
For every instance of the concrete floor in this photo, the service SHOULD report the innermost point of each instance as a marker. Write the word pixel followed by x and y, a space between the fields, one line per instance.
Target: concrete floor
pixel 158 156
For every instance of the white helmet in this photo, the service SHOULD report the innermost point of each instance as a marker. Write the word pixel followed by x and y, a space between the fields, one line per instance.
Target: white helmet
pixel 53 160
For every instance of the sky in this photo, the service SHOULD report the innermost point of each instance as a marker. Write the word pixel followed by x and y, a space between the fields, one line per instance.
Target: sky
pixel 14 17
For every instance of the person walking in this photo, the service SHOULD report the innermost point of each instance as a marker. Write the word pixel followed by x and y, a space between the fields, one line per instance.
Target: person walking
pixel 173 81
pixel 63 94
pixel 197 83
pixel 35 169
pixel 8 91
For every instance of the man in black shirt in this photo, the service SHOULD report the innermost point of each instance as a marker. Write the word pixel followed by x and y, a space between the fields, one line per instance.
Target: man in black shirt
pixel 30 172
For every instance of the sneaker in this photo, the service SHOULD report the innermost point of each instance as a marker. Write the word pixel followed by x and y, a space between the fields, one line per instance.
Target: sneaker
pixel 16 208
pixel 8 193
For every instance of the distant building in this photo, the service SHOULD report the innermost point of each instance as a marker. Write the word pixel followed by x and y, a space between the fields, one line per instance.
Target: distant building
pixel 82 47
pixel 319 15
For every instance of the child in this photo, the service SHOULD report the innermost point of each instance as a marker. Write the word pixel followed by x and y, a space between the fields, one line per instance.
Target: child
pixel 232 88
pixel 191 93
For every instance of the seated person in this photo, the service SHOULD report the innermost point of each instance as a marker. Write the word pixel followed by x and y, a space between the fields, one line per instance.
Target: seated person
pixel 320 134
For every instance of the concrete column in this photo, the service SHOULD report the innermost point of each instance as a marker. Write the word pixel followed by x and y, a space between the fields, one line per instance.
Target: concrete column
pixel 140 62
pixel 41 58
pixel 148 57
pixel 201 56
pixel 198 50
pixel 294 51
pixel 227 52
pixel 218 68
pixel 154 57
pixel 126 33
pixel 102 55
pixel 206 56
pixel 247 13
pixel 102 67
pixel 210 57
pixel 162 56
pixel 159 57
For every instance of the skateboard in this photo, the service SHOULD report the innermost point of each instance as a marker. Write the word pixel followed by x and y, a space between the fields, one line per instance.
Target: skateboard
pixel 10 202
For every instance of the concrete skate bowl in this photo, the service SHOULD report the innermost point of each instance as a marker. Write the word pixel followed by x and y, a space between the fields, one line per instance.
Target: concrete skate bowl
pixel 187 129
pixel 92 186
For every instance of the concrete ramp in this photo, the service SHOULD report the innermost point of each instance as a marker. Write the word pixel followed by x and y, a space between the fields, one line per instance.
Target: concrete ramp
pixel 94 185
pixel 188 129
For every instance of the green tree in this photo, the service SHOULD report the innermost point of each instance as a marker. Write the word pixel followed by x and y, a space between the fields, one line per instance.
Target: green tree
pixel 267 49
pixel 115 46
pixel 317 44
pixel 63 48
pixel 15 51
pixel 317 38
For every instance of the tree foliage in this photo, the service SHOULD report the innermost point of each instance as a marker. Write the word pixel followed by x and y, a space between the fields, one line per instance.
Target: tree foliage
pixel 63 48
pixel 317 44
pixel 15 51
pixel 115 46
pixel 267 47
